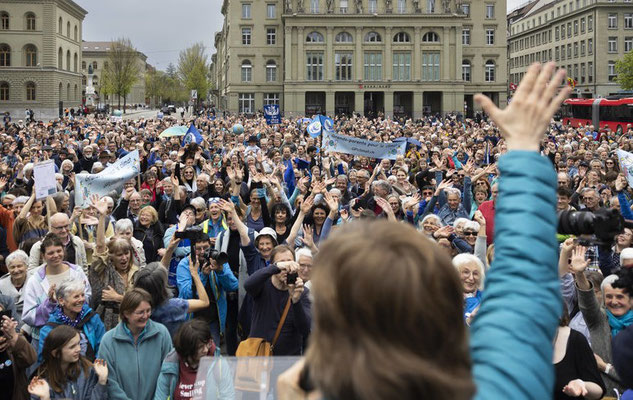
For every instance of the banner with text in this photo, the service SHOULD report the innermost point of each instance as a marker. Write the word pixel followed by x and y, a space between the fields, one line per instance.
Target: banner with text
pixel 111 178
pixel 272 114
pixel 362 147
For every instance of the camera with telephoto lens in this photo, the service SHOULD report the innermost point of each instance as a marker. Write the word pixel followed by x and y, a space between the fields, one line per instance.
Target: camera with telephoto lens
pixel 196 234
pixel 193 233
pixel 603 224
pixel 220 257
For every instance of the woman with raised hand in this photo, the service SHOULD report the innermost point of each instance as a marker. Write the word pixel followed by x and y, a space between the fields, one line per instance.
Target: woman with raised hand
pixel 65 373
pixel 357 306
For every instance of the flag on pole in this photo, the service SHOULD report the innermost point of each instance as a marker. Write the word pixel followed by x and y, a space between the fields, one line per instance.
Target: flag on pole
pixel 192 135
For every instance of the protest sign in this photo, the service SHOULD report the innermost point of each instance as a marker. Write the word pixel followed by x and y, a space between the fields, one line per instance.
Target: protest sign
pixel 272 115
pixel 44 175
pixel 111 178
pixel 626 165
pixel 362 147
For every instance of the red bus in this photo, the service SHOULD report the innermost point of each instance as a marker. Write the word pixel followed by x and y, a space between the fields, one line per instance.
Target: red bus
pixel 615 113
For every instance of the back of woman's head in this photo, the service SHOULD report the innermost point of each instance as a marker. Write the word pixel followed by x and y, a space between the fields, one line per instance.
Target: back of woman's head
pixel 191 335
pixel 153 279
pixel 390 303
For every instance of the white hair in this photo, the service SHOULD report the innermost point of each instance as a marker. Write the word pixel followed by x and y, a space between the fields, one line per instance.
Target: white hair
pixel 304 251
pixel 474 225
pixel 123 225
pixel 454 191
pixel 626 254
pixel 459 221
pixel 463 259
pixel 19 256
pixel 432 216
pixel 198 202
pixel 609 280
pixel 69 286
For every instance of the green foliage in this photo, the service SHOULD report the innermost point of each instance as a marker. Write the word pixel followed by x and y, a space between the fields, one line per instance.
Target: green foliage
pixel 122 70
pixel 193 70
pixel 624 69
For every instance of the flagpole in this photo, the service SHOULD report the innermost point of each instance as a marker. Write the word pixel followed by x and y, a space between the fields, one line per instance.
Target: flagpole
pixel 321 147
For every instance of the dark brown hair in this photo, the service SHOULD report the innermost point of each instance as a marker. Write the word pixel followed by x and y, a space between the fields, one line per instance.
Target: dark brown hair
pixel 390 302
pixel 131 300
pixel 51 367
pixel 51 240
pixel 191 335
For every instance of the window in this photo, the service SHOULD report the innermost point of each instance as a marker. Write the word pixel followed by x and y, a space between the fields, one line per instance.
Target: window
pixel 5 55
pixel 557 53
pixel 95 80
pixel 402 6
pixel 562 31
pixel 4 21
pixel 246 11
pixel 60 59
pixel 575 28
pixel 556 33
pixel 490 11
pixel 247 71
pixel 271 71
pixel 314 37
pixel 466 36
pixel 75 62
pixel 271 11
pixel 590 46
pixel 431 37
pixel 314 6
pixel 431 66
pixel 60 24
pixel 105 65
pixel 343 63
pixel 583 48
pixel 84 80
pixel 75 33
pixel 612 21
pixel 401 37
pixel 343 6
pixel 569 29
pixel 466 9
pixel 589 72
pixel 401 66
pixel 30 91
pixel 271 99
pixel 628 21
pixel 628 44
pixel 612 46
pixel 575 49
pixel 4 91
pixel 30 21
pixel 373 37
pixel 30 53
pixel 430 6
pixel 94 65
pixel 314 63
pixel 344 37
pixel 590 23
pixel 489 71
pixel 490 36
pixel 611 71
pixel 246 103
pixel 373 6
pixel 246 36
pixel 583 25
pixel 569 50
pixel 583 73
pixel 83 65
pixel 68 29
pixel 373 66
pixel 271 36
pixel 466 70
pixel 68 60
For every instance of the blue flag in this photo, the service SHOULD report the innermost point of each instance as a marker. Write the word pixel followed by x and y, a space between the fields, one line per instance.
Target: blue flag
pixel 272 115
pixel 319 124
pixel 191 136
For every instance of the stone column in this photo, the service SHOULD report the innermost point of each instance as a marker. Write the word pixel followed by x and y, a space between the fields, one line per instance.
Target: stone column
pixel 417 58
pixel 329 102
pixel 387 64
pixel 388 103
pixel 358 70
pixel 359 101
pixel 288 53
pixel 301 57
pixel 329 56
pixel 459 48
pixel 417 104
pixel 446 60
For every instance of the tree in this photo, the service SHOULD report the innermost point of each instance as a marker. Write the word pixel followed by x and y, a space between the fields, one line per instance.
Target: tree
pixel 122 70
pixel 193 70
pixel 624 69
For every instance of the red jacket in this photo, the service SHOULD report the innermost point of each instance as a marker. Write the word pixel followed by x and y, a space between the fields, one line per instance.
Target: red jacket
pixel 487 208
pixel 6 220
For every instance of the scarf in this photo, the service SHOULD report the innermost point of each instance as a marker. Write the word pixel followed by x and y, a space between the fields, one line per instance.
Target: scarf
pixel 66 319
pixel 619 323
pixel 471 303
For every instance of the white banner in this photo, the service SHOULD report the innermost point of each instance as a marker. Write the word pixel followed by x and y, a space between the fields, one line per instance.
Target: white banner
pixel 111 178
pixel 44 175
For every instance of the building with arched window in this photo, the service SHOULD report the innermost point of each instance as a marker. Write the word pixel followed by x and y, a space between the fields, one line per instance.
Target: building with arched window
pixel 398 58
pixel 39 56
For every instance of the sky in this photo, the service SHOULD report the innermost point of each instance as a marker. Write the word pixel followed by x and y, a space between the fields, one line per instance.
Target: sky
pixel 158 28
pixel 161 28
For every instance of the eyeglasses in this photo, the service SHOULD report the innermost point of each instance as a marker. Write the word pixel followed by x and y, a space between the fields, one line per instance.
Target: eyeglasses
pixel 305 266
pixel 200 210
pixel 609 162
pixel 142 313
pixel 427 193
pixel 214 200
pixel 63 227
pixel 587 198
pixel 469 233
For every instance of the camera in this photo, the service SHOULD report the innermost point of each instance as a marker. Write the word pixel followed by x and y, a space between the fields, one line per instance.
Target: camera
pixel 603 224
pixel 291 278
pixel 194 234
pixel 219 256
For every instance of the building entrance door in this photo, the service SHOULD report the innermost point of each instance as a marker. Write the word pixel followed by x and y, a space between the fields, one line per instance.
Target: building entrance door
pixel 374 104
pixel 344 103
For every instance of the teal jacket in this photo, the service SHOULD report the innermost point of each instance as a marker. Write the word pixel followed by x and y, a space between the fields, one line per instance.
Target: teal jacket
pixel 219 370
pixel 134 368
pixel 511 337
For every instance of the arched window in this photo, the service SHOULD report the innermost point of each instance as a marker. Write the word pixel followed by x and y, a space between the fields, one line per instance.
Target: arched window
pixel 94 65
pixel 30 91
pixel 4 21
pixel 75 94
pixel 431 37
pixel 4 91
pixel 247 71
pixel 60 24
pixel 83 65
pixel 373 37
pixel 314 37
pixel 30 21
pixel 344 37
pixel 75 62
pixel 60 91
pixel 271 71
pixel 30 53
pixel 68 91
pixel 60 59
pixel 466 71
pixel 68 29
pixel 75 35
pixel 401 37
pixel 5 55
pixel 489 71
pixel 95 80
pixel 84 80
pixel 68 60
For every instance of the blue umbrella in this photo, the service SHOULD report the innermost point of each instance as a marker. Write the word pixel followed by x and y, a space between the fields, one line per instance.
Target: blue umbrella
pixel 177 130
pixel 408 140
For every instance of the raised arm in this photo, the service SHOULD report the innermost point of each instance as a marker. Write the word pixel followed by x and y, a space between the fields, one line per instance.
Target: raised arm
pixel 229 208
pixel 202 301
pixel 102 210
pixel 27 207
pixel 524 272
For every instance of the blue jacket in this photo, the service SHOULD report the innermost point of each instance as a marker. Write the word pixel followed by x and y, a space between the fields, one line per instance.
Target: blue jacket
pixel 134 368
pixel 93 329
pixel 221 282
pixel 522 302
pixel 81 389
pixel 218 370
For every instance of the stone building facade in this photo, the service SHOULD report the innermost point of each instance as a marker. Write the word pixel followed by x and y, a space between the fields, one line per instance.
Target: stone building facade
pixel 40 57
pixel 397 57
pixel 586 37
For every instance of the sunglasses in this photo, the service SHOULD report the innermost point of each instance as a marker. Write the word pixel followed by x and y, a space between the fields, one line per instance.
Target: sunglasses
pixel 427 193
pixel 214 200
pixel 470 233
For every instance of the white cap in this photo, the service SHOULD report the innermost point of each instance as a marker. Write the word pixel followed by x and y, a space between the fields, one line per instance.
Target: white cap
pixel 271 232
pixel 626 254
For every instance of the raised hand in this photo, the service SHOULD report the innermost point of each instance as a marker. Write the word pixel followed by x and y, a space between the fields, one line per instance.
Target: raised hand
pixel 39 387
pixel 578 262
pixel 331 202
pixel 525 120
pixel 308 238
pixel 100 204
pixel 3 183
pixel 101 369
pixel 226 206
pixel 307 204
pixel 620 183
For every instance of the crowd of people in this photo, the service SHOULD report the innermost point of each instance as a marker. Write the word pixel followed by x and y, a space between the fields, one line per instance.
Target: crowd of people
pixel 216 242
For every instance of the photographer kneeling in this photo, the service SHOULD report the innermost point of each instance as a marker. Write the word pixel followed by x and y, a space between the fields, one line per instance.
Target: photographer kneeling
pixel 274 289
pixel 217 278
